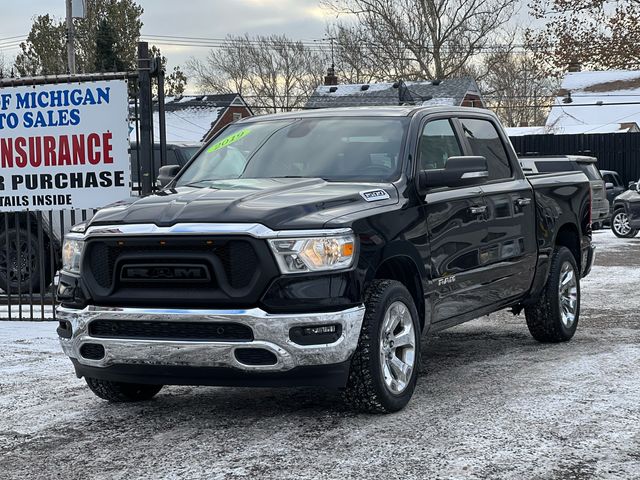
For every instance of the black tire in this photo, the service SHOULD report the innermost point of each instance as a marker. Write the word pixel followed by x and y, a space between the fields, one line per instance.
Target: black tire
pixel 120 392
pixel 545 318
pixel 367 390
pixel 20 270
pixel 620 225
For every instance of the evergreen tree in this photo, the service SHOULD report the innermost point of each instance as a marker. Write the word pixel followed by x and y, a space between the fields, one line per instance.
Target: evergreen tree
pixel 106 58
pixel 45 50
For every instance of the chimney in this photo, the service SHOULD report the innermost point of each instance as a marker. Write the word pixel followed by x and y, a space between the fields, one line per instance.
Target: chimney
pixel 574 65
pixel 331 78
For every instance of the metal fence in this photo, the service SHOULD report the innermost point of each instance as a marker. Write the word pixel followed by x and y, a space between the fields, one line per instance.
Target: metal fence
pixel 31 241
pixel 615 151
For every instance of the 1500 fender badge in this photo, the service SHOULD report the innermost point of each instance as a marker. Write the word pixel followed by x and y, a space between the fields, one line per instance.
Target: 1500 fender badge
pixel 374 195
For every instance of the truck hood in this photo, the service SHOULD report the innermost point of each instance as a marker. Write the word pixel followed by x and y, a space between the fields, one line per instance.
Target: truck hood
pixel 280 204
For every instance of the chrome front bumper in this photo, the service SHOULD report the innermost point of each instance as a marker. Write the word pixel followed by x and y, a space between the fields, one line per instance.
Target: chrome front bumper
pixel 271 332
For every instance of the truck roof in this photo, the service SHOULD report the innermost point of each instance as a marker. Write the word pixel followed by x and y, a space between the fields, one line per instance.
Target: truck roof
pixel 381 111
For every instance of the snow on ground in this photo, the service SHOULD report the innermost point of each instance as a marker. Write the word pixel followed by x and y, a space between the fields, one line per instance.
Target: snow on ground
pixel 26 311
pixel 490 403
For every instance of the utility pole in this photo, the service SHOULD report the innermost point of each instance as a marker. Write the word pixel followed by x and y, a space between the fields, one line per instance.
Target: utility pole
pixel 71 50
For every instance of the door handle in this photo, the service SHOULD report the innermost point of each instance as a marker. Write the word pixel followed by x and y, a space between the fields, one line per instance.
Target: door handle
pixel 478 209
pixel 521 202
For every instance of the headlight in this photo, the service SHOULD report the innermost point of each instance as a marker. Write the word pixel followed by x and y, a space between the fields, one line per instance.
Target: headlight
pixel 71 255
pixel 298 255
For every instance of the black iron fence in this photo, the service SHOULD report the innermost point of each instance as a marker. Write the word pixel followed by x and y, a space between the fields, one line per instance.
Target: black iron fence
pixel 615 151
pixel 31 241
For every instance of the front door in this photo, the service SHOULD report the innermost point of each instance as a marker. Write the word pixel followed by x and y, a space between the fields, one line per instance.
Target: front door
pixel 456 225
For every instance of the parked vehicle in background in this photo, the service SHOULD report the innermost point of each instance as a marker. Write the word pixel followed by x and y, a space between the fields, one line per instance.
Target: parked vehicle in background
pixel 177 154
pixel 315 248
pixel 625 222
pixel 572 163
pixel 613 185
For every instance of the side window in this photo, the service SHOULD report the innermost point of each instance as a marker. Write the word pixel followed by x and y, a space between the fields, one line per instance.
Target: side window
pixel 485 141
pixel 608 178
pixel 172 158
pixel 616 180
pixel 437 143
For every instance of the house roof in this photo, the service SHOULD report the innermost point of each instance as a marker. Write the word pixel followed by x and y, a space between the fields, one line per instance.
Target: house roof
pixel 601 102
pixel 446 92
pixel 189 118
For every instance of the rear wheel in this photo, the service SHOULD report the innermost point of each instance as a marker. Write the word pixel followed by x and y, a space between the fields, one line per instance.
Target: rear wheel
pixel 384 368
pixel 554 317
pixel 620 225
pixel 120 392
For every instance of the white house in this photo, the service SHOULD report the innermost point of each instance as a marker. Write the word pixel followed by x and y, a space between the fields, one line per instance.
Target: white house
pixel 596 102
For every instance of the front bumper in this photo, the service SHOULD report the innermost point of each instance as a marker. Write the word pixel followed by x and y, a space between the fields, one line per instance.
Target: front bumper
pixel 270 331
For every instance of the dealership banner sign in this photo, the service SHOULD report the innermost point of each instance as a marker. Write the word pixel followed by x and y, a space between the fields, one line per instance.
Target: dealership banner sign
pixel 64 146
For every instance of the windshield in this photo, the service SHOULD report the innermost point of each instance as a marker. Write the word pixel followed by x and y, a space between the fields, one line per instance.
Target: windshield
pixel 335 149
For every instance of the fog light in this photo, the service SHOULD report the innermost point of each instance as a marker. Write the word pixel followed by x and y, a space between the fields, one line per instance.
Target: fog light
pixel 319 330
pixel 316 334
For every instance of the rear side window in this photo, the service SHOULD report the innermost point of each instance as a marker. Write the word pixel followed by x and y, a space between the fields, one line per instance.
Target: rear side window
pixel 485 141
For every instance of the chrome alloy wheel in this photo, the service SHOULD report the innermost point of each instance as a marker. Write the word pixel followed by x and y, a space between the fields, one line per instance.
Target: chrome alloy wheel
pixel 568 294
pixel 621 223
pixel 397 347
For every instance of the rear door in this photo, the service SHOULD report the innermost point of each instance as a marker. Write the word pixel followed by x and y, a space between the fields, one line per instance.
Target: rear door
pixel 508 252
pixel 456 227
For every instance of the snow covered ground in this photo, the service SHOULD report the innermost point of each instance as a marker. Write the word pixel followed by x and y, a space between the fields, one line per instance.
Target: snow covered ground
pixel 490 403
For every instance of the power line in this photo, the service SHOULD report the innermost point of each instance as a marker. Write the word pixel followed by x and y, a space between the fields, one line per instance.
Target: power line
pixel 317 45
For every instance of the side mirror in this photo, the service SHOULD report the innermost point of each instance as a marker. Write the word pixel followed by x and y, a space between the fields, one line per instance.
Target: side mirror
pixel 166 174
pixel 608 185
pixel 457 172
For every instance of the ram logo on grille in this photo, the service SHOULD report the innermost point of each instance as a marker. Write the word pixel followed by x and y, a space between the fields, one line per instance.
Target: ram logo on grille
pixel 164 273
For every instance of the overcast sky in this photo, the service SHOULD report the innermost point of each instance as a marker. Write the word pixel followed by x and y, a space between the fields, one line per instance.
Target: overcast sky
pixel 298 19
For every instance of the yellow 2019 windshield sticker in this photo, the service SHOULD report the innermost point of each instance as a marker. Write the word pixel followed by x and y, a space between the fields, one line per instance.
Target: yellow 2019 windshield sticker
pixel 228 140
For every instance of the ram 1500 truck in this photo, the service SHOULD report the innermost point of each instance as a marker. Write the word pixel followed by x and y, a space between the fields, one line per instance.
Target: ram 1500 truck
pixel 315 248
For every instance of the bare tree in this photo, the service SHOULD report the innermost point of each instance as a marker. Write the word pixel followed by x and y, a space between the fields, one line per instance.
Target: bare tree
pixel 273 73
pixel 427 39
pixel 514 87
pixel 599 34
pixel 4 66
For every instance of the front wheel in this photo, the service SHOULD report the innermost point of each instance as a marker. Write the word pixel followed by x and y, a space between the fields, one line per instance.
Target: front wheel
pixel 554 316
pixel 20 265
pixel 120 392
pixel 384 368
pixel 620 225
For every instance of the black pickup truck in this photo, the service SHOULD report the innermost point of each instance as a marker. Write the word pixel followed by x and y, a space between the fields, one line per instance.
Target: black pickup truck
pixel 315 248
